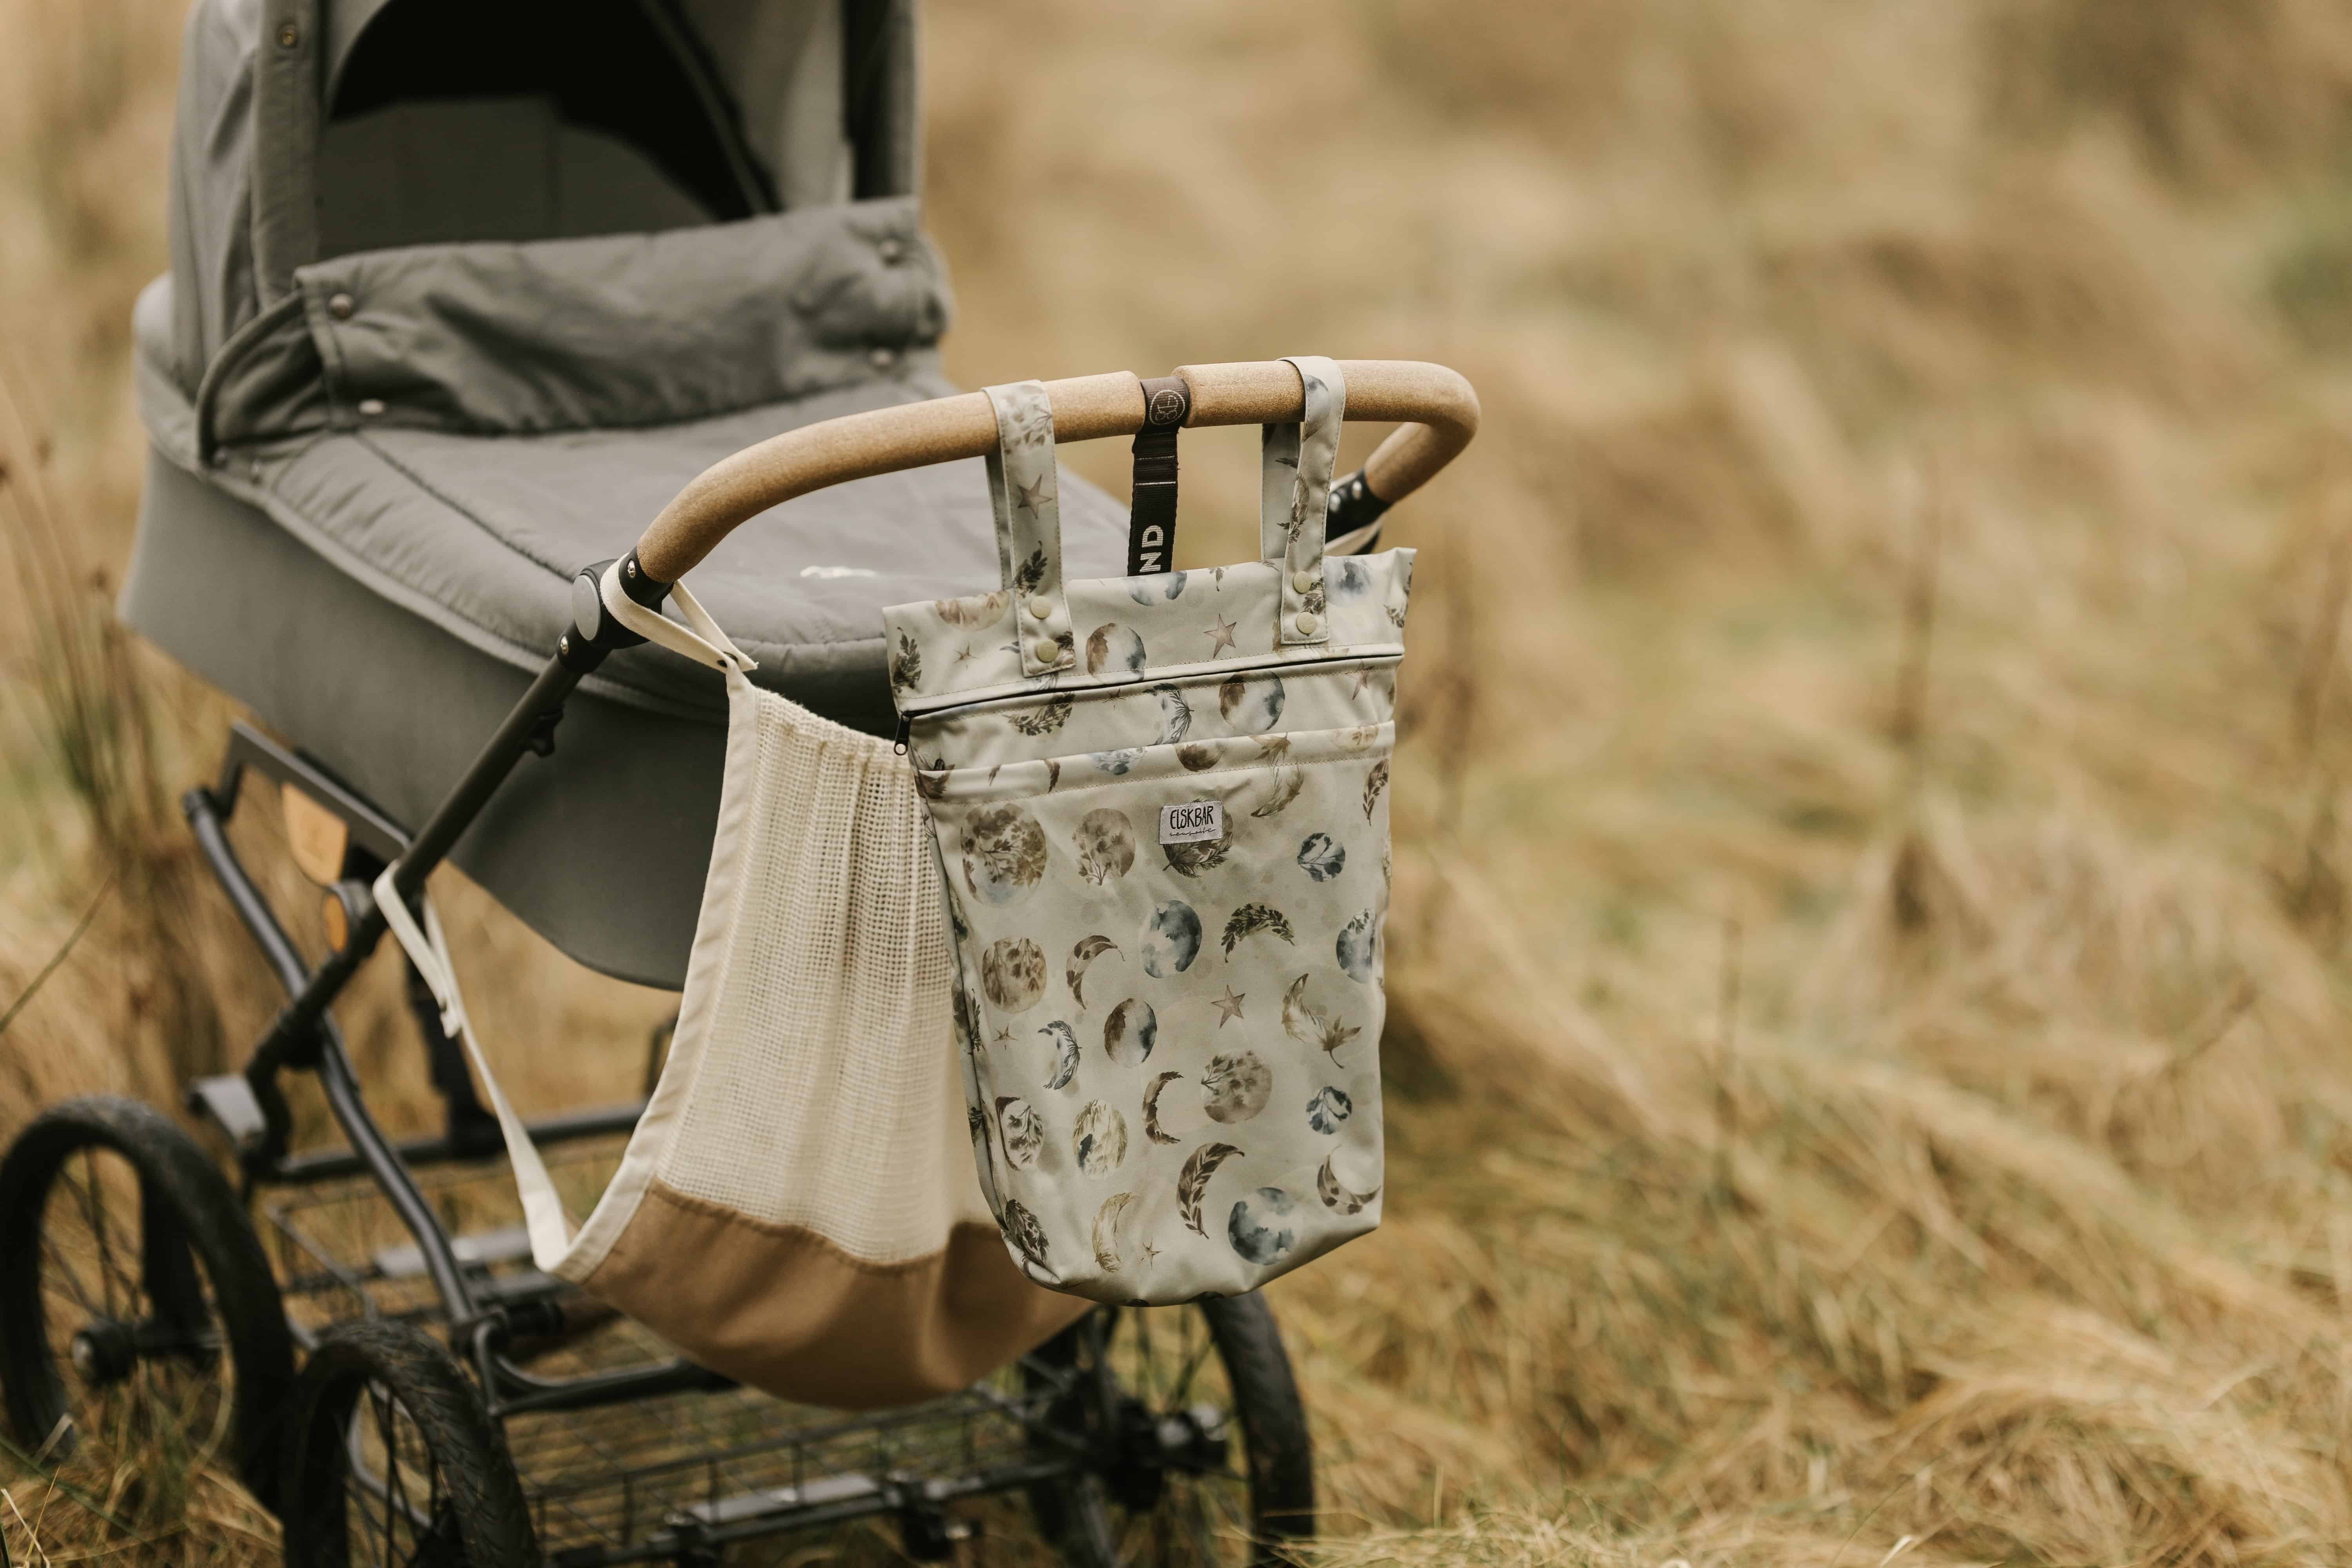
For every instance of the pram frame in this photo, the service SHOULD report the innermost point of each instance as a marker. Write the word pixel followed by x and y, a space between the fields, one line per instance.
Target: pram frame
pixel 250 1108
pixel 1439 414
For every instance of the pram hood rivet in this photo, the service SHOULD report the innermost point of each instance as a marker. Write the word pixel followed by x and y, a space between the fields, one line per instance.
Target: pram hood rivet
pixel 289 36
pixel 883 358
pixel 341 306
pixel 371 407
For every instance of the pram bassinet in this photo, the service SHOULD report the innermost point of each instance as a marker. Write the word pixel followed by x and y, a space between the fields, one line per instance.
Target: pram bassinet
pixel 459 298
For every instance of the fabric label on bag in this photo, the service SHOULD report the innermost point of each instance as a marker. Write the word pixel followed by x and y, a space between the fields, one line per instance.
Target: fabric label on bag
pixel 1194 822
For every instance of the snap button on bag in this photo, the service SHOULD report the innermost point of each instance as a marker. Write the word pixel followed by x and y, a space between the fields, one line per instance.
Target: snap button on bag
pixel 1163 835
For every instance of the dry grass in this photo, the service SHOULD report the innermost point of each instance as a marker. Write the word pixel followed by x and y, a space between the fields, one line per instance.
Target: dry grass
pixel 1870 957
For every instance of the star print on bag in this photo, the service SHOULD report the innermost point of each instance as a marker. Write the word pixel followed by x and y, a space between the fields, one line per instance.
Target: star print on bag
pixel 1141 841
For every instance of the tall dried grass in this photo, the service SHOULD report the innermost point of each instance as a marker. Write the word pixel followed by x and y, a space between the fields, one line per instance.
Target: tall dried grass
pixel 1871 953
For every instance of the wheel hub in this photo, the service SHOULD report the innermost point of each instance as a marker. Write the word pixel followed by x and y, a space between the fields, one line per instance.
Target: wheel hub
pixel 1194 1438
pixel 1150 1446
pixel 104 1352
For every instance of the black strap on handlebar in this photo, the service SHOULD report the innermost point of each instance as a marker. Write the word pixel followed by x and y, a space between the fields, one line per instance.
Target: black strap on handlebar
pixel 1151 511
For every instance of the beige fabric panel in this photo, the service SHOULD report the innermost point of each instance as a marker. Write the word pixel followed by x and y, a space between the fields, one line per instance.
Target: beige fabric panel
pixel 783 1309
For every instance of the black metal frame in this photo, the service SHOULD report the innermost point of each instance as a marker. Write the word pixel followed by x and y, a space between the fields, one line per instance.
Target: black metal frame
pixel 250 1106
pixel 483 1319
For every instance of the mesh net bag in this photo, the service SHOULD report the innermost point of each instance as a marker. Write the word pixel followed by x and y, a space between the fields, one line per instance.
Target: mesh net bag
pixel 797 1208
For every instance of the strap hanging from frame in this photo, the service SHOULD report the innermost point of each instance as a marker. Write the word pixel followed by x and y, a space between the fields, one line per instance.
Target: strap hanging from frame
pixel 1152 514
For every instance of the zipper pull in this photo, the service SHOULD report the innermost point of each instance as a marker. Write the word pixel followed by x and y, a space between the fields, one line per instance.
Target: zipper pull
pixel 899 741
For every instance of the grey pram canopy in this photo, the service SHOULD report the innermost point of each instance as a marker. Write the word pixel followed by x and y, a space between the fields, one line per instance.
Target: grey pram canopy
pixel 460 296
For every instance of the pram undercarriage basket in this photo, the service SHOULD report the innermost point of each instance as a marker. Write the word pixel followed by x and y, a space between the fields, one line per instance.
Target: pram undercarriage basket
pixel 445 324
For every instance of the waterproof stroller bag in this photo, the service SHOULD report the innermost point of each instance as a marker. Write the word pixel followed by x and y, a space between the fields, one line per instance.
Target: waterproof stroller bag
pixel 1160 805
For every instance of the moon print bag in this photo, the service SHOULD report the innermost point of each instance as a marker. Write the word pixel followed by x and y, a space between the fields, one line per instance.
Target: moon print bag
pixel 1160 807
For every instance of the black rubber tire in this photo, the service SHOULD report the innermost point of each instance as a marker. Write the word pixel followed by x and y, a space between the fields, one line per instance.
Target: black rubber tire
pixel 1279 1449
pixel 1085 1524
pixel 187 1215
pixel 476 1515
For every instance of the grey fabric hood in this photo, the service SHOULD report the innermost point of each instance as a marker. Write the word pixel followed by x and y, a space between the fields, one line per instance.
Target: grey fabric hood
pixel 789 86
pixel 462 425
pixel 618 331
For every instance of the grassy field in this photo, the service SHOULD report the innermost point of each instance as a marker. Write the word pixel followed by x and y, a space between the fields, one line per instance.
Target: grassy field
pixel 1870 966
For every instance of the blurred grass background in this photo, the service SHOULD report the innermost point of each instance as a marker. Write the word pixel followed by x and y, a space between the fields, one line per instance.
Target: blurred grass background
pixel 1870 966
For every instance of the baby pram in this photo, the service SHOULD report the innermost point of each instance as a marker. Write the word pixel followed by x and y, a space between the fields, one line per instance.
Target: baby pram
pixel 459 296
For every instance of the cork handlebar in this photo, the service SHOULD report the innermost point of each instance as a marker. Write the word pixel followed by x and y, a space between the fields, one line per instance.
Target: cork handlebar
pixel 1437 411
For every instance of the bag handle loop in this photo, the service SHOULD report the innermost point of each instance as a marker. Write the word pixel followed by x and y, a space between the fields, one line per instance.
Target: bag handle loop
pixel 1295 470
pixel 1024 489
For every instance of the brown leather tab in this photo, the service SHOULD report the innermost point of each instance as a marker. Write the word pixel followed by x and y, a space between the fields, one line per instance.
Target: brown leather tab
pixel 317 836
pixel 1167 402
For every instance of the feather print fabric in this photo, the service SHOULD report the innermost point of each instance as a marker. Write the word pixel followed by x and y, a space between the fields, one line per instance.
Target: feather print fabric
pixel 1167 866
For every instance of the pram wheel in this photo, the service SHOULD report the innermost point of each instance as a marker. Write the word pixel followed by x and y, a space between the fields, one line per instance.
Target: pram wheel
pixel 137 1308
pixel 392 1460
pixel 1196 1420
